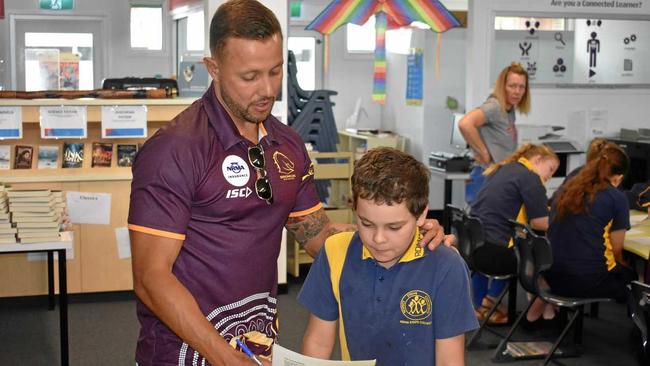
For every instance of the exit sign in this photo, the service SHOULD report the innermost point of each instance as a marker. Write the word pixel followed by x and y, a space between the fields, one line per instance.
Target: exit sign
pixel 56 4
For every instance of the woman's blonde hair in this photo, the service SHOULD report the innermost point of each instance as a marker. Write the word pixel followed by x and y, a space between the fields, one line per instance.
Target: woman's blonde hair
pixel 499 91
pixel 527 151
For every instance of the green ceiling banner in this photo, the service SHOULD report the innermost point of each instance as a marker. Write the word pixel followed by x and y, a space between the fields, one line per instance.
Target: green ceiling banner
pixel 56 4
pixel 296 8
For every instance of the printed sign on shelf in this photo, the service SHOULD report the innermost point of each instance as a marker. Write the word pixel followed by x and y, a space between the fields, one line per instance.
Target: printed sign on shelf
pixel 63 122
pixel 11 123
pixel 414 75
pixel 123 121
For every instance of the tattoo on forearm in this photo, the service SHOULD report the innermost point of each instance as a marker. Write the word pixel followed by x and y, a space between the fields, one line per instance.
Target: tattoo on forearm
pixel 305 228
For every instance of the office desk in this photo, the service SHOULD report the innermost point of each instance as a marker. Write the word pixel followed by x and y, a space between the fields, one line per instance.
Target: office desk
pixel 50 248
pixel 637 239
pixel 449 179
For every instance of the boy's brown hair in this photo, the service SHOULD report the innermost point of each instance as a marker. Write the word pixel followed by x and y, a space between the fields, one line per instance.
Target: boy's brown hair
pixel 389 176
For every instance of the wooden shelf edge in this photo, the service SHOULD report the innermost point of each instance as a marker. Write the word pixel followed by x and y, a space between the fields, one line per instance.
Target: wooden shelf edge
pixel 85 176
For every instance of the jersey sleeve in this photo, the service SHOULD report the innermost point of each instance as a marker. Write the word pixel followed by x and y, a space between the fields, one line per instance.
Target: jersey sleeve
pixel 452 306
pixel 307 200
pixel 621 219
pixel 491 109
pixel 162 188
pixel 534 196
pixel 316 293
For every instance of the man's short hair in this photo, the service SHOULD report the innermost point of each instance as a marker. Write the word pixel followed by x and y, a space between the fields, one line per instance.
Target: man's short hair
pixel 389 176
pixel 247 19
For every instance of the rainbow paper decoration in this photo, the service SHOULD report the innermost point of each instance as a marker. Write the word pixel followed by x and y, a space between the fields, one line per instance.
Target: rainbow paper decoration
pixel 395 14
pixel 379 78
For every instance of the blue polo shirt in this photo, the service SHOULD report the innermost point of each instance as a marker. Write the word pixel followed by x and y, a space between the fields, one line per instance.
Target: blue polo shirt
pixel 393 315
pixel 513 192
pixel 581 244
pixel 192 181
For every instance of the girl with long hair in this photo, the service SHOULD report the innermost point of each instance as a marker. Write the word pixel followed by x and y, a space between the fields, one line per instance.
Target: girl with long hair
pixel 513 189
pixel 587 230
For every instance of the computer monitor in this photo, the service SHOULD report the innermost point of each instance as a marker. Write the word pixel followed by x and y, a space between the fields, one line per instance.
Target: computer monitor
pixel 457 140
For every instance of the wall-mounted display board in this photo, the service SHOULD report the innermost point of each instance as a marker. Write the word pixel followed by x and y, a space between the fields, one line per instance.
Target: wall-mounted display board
pixel 574 52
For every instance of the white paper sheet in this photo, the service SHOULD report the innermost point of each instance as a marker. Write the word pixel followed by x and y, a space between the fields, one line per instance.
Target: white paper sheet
pixel 89 208
pixel 642 240
pixel 636 219
pixel 285 357
pixel 123 242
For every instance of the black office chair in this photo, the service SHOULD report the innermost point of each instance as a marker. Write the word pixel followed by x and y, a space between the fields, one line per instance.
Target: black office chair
pixel 457 222
pixel 470 237
pixel 640 309
pixel 476 233
pixel 534 256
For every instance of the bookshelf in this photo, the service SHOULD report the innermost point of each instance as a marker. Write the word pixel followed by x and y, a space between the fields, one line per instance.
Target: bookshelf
pixel 95 265
pixel 339 173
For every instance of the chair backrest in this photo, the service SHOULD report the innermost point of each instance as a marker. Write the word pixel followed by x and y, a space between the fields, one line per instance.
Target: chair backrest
pixel 534 256
pixel 640 310
pixel 474 228
pixel 457 218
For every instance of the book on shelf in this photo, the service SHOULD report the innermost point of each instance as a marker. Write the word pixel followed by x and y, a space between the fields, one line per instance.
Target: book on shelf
pixel 23 159
pixel 49 203
pixel 39 240
pixel 73 154
pixel 102 154
pixel 10 230
pixel 8 240
pixel 25 219
pixel 48 156
pixel 15 215
pixel 41 209
pixel 28 193
pixel 48 198
pixel 48 234
pixel 37 225
pixel 49 230
pixel 126 154
pixel 5 157
pixel 4 215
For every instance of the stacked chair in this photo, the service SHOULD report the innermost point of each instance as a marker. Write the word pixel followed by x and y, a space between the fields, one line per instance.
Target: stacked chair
pixel 310 115
pixel 470 236
pixel 534 256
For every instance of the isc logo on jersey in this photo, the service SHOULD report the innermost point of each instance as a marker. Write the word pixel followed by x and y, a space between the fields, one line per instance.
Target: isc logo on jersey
pixel 237 173
pixel 239 192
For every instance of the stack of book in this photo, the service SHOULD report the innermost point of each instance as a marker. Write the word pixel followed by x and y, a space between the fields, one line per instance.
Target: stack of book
pixel 7 232
pixel 36 214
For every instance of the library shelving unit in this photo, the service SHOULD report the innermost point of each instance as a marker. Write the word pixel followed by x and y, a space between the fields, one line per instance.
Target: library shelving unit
pixel 95 265
pixel 337 168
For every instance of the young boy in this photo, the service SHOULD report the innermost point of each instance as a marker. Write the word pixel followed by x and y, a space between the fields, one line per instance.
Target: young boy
pixel 396 302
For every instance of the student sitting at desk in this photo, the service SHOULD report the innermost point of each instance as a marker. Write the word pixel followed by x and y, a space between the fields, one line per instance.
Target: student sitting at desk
pixel 513 189
pixel 396 303
pixel 587 230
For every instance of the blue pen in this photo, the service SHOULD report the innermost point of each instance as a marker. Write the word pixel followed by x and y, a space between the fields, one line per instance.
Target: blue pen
pixel 248 352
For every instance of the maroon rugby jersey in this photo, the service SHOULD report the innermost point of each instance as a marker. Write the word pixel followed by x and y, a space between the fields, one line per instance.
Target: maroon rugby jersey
pixel 192 181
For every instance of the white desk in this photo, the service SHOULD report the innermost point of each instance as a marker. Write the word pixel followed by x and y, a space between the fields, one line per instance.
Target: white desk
pixel 66 242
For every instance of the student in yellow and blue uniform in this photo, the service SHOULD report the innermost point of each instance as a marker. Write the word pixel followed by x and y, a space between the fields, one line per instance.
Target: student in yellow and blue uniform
pixel 513 189
pixel 587 230
pixel 395 302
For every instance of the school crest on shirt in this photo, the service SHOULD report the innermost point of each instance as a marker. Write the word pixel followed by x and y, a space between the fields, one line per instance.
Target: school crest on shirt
pixel 415 305
pixel 284 165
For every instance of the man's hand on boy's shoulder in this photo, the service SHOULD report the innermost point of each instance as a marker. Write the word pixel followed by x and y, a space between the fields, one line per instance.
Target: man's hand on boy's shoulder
pixel 433 235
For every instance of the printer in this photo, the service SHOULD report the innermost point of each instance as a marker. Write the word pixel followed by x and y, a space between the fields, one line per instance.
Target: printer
pixel 450 163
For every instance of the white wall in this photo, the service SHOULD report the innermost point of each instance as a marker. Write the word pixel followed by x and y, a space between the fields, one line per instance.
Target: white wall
pixel 121 60
pixel 627 108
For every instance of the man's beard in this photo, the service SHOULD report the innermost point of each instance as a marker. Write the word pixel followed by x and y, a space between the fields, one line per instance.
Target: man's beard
pixel 238 110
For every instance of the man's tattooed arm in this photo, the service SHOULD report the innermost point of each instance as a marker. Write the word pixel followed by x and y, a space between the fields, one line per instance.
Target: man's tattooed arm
pixel 311 230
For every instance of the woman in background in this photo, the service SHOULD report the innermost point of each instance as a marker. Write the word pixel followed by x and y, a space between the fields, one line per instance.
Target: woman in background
pixel 490 129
